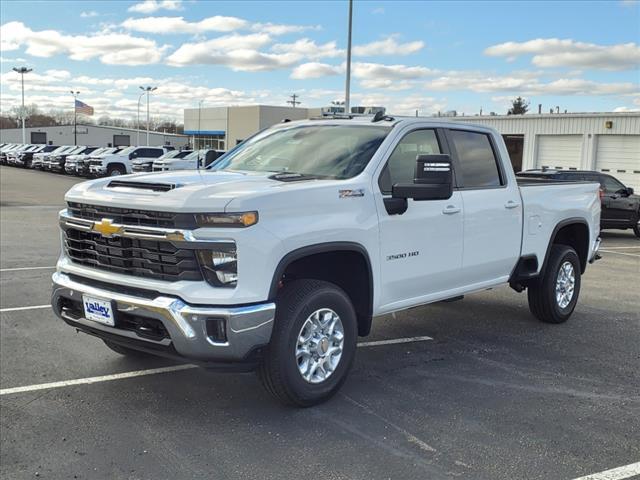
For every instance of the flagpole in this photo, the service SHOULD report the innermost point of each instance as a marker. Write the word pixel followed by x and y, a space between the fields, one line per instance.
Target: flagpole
pixel 75 117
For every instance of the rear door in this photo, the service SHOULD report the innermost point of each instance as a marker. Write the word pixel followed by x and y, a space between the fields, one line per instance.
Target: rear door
pixel 617 208
pixel 492 209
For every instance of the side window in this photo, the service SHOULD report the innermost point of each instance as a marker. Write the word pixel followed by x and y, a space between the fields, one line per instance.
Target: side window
pixel 477 159
pixel 610 185
pixel 154 152
pixel 401 166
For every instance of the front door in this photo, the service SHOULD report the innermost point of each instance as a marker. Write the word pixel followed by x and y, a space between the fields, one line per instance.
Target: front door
pixel 421 250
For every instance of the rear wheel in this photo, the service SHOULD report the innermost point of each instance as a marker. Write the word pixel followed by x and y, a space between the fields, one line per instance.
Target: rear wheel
pixel 115 170
pixel 127 352
pixel 554 297
pixel 636 230
pixel 313 343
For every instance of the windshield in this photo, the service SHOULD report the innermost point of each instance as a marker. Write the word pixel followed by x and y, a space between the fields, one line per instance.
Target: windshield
pixel 172 154
pixel 195 154
pixel 127 151
pixel 332 151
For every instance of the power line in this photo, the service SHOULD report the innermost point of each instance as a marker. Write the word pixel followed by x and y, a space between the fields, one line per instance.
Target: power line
pixel 293 101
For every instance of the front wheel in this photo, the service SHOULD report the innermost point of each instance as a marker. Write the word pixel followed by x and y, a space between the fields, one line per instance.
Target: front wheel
pixel 313 343
pixel 115 171
pixel 553 298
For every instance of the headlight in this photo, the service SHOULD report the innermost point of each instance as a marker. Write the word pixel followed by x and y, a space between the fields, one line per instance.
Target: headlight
pixel 235 220
pixel 220 265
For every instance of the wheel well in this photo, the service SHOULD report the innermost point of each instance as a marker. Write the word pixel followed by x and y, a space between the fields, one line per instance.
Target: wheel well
pixel 348 269
pixel 112 165
pixel 575 235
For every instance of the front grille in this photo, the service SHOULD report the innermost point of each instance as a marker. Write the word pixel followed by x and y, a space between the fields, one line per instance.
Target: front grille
pixel 153 259
pixel 132 217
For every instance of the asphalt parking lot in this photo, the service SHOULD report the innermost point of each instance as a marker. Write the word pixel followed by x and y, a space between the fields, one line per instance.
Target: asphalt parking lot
pixel 491 394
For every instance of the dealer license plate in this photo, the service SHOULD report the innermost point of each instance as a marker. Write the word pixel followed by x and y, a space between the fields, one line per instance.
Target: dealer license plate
pixel 99 310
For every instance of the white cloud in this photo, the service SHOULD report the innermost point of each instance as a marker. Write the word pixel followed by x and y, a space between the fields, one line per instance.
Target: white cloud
pixel 309 49
pixel 150 6
pixel 626 109
pixel 110 48
pixel 388 46
pixel 377 11
pixel 238 52
pixel 89 14
pixel 174 25
pixel 314 70
pixel 554 52
pixel 281 29
pixel 390 72
pixel 525 83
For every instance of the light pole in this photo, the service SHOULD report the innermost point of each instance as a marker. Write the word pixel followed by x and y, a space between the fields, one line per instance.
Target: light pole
pixel 148 90
pixel 22 71
pixel 138 120
pixel 199 112
pixel 347 93
pixel 75 117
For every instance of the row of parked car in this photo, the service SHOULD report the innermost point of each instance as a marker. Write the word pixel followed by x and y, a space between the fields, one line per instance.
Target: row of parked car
pixel 91 161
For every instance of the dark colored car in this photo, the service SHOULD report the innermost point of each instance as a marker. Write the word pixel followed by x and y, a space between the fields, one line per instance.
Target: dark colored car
pixel 620 206
pixel 56 164
pixel 25 158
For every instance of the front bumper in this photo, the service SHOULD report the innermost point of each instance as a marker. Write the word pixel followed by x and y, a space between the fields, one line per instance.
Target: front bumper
pixel 247 328
pixel 97 170
pixel 141 167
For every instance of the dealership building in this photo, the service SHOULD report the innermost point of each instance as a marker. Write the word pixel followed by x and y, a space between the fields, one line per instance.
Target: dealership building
pixel 92 135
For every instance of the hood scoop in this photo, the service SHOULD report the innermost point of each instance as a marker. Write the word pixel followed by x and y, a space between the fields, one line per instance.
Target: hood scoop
pixel 154 187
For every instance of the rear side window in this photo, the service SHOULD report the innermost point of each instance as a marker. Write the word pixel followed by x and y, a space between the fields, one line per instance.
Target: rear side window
pixel 610 184
pixel 477 159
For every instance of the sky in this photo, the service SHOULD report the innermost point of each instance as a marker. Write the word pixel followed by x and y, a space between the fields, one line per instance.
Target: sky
pixel 582 56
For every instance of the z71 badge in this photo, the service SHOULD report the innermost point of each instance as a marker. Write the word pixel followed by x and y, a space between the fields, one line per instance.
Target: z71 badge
pixel 358 192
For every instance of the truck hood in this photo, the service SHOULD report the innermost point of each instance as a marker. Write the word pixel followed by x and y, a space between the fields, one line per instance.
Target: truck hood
pixel 179 191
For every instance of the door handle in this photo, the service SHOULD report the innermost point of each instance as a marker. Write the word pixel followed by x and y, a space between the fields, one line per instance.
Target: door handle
pixel 451 209
pixel 511 204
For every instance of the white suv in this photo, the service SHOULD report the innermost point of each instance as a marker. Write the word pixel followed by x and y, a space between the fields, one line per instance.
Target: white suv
pixel 122 162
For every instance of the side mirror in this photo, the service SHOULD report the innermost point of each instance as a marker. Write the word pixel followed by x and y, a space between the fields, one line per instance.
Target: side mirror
pixel 433 180
pixel 133 155
pixel 630 191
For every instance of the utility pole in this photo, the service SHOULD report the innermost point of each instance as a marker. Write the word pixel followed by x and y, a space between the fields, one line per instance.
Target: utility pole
pixel 347 93
pixel 75 117
pixel 138 120
pixel 22 71
pixel 199 116
pixel 148 90
pixel 293 101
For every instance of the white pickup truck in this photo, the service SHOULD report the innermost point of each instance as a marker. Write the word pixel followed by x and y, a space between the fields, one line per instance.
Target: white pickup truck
pixel 279 256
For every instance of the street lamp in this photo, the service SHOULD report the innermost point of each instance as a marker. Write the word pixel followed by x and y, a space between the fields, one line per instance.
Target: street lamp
pixel 138 120
pixel 22 71
pixel 148 90
pixel 347 90
pixel 199 134
pixel 75 117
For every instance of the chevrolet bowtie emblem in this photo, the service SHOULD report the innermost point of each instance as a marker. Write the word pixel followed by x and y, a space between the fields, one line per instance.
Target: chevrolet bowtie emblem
pixel 106 228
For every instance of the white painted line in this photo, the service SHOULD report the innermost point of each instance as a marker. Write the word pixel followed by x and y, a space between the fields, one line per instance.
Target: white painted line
pixel 622 248
pixel 155 371
pixel 394 341
pixel 620 253
pixel 25 268
pixel 103 378
pixel 619 473
pixel 19 309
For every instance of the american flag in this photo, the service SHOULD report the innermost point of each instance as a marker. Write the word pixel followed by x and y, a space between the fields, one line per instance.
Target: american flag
pixel 83 108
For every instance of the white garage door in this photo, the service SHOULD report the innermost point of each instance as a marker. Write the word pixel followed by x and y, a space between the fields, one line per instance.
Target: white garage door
pixel 559 151
pixel 619 155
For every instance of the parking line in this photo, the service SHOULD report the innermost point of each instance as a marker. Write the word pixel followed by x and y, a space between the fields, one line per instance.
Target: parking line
pixel 25 268
pixel 155 371
pixel 19 309
pixel 619 473
pixel 622 248
pixel 620 253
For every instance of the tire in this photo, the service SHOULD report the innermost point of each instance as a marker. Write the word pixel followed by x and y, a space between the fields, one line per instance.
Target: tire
pixel 544 304
pixel 115 171
pixel 127 352
pixel 279 370
pixel 636 230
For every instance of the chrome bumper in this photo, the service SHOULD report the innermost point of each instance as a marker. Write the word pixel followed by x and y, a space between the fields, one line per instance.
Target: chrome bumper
pixel 246 327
